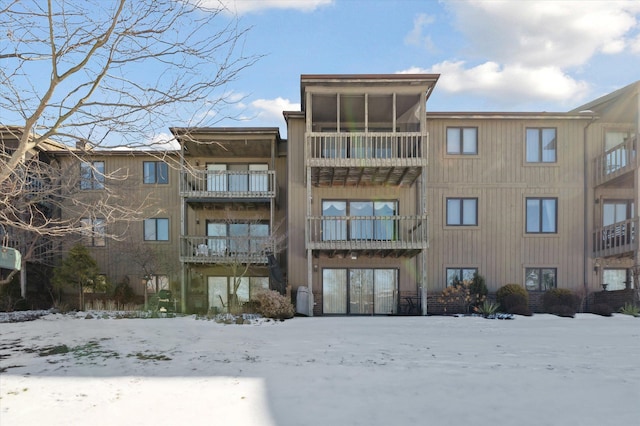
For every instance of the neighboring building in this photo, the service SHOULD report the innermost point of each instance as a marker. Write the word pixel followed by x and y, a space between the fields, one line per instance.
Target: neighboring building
pixel 373 205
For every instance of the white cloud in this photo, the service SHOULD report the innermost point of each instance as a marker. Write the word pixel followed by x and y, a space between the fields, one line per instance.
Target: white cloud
pixel 539 33
pixel 509 84
pixel 273 108
pixel 416 37
pixel 247 6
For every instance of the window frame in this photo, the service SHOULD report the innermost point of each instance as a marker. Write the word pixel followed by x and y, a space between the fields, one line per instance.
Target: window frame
pixel 540 277
pixel 541 215
pixel 461 212
pixel 158 173
pixel 540 145
pixel 97 236
pixel 460 270
pixel 461 140
pixel 91 178
pixel 347 231
pixel 156 221
pixel 375 296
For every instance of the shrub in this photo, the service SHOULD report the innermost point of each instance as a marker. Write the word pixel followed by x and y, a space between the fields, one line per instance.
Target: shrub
pixel 487 308
pixel 562 311
pixel 509 289
pixel 515 299
pixel 559 297
pixel 520 310
pixel 456 298
pixel 478 290
pixel 630 309
pixel 602 309
pixel 271 304
pixel 123 293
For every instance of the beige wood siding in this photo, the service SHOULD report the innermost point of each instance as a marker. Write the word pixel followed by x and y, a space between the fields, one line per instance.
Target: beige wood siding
pixel 501 180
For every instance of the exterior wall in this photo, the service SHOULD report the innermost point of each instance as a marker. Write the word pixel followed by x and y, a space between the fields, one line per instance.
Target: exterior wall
pixel 297 204
pixel 121 259
pixel 501 180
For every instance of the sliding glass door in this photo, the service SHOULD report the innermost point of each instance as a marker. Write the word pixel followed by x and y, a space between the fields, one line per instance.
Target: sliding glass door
pixel 359 291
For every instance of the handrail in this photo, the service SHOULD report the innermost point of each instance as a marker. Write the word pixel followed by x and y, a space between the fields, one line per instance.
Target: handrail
pixel 229 183
pixel 615 238
pixel 392 231
pixel 378 146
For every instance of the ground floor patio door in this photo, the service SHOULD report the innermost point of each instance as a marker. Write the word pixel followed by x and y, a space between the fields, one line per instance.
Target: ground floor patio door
pixel 360 291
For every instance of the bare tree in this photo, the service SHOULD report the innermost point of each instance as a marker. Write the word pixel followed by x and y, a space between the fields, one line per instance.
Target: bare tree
pixel 97 74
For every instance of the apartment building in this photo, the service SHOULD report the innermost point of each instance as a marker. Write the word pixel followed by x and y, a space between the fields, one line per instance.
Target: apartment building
pixel 374 204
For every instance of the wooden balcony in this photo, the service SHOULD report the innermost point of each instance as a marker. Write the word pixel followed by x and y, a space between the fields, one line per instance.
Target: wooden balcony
pixel 365 158
pixel 616 163
pixel 617 240
pixel 226 185
pixel 226 250
pixel 379 236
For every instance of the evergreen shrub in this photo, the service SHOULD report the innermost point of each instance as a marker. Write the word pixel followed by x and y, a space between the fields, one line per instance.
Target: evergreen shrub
pixel 510 289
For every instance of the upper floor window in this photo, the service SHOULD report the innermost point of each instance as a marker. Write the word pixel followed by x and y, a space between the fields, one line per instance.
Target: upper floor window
pixel 237 237
pixel 541 145
pixel 462 140
pixel 542 215
pixel 367 220
pixel 156 229
pixel 457 275
pixel 540 279
pixel 94 232
pixel 237 177
pixel 92 175
pixel 155 172
pixel 614 211
pixel 462 211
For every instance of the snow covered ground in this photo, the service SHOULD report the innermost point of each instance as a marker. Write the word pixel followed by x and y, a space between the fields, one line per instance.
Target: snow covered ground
pixel 542 370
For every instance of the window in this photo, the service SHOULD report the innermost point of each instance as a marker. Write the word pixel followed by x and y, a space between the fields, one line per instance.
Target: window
pixel 542 215
pixel 616 211
pixel 462 140
pixel 359 291
pixel 455 275
pixel 541 145
pixel 156 230
pixel 221 288
pixel 237 237
pixel 238 177
pixel 462 211
pixel 155 283
pixel 540 279
pixel 94 232
pixel 92 175
pixel 617 279
pixel 155 172
pixel 368 220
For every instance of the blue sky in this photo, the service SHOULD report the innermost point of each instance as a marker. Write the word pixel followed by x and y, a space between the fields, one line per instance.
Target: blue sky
pixel 492 55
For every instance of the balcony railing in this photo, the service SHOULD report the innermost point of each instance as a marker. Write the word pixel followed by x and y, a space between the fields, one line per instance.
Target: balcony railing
pixel 366 232
pixel 372 149
pixel 615 239
pixel 616 162
pixel 251 184
pixel 226 250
